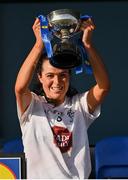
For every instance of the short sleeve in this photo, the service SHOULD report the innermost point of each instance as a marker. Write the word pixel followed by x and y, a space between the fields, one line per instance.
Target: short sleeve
pixel 84 106
pixel 28 112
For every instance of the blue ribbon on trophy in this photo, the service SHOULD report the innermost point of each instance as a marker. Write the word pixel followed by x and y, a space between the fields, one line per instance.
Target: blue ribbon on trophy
pixel 63 41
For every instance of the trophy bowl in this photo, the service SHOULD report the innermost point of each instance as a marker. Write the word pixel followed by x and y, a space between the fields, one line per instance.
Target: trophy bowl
pixel 64 21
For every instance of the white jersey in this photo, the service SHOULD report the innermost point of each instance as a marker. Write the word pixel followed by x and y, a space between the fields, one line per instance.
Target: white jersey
pixel 55 138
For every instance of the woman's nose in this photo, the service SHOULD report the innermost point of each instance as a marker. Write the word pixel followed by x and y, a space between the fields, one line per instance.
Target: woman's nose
pixel 57 79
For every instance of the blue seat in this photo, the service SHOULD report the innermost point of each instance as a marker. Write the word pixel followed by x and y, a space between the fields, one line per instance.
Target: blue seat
pixel 13 146
pixel 111 158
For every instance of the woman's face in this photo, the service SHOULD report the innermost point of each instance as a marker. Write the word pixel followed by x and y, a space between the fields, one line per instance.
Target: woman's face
pixel 55 82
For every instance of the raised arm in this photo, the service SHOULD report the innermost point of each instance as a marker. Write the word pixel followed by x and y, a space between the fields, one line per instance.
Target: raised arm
pixel 22 92
pixel 99 91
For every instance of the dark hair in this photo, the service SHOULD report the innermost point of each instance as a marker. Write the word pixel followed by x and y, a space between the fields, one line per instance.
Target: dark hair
pixel 37 86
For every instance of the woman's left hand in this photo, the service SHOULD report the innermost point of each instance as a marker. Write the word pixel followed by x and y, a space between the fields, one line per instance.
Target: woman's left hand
pixel 87 27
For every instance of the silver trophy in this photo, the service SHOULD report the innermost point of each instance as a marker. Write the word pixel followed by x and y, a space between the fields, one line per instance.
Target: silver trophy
pixel 62 38
pixel 64 23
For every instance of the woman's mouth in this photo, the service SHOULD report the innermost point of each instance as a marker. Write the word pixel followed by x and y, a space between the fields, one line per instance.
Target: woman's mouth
pixel 57 89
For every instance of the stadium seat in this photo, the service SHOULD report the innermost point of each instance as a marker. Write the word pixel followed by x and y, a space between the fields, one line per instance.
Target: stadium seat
pixel 111 158
pixel 13 146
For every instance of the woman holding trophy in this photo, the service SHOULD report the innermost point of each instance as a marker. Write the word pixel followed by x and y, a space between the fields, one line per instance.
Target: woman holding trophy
pixel 54 125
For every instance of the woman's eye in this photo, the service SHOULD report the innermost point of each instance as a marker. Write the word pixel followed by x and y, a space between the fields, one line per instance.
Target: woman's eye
pixel 50 76
pixel 63 75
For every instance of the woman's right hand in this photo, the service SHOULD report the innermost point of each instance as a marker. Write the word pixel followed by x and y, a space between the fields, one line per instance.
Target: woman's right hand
pixel 36 29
